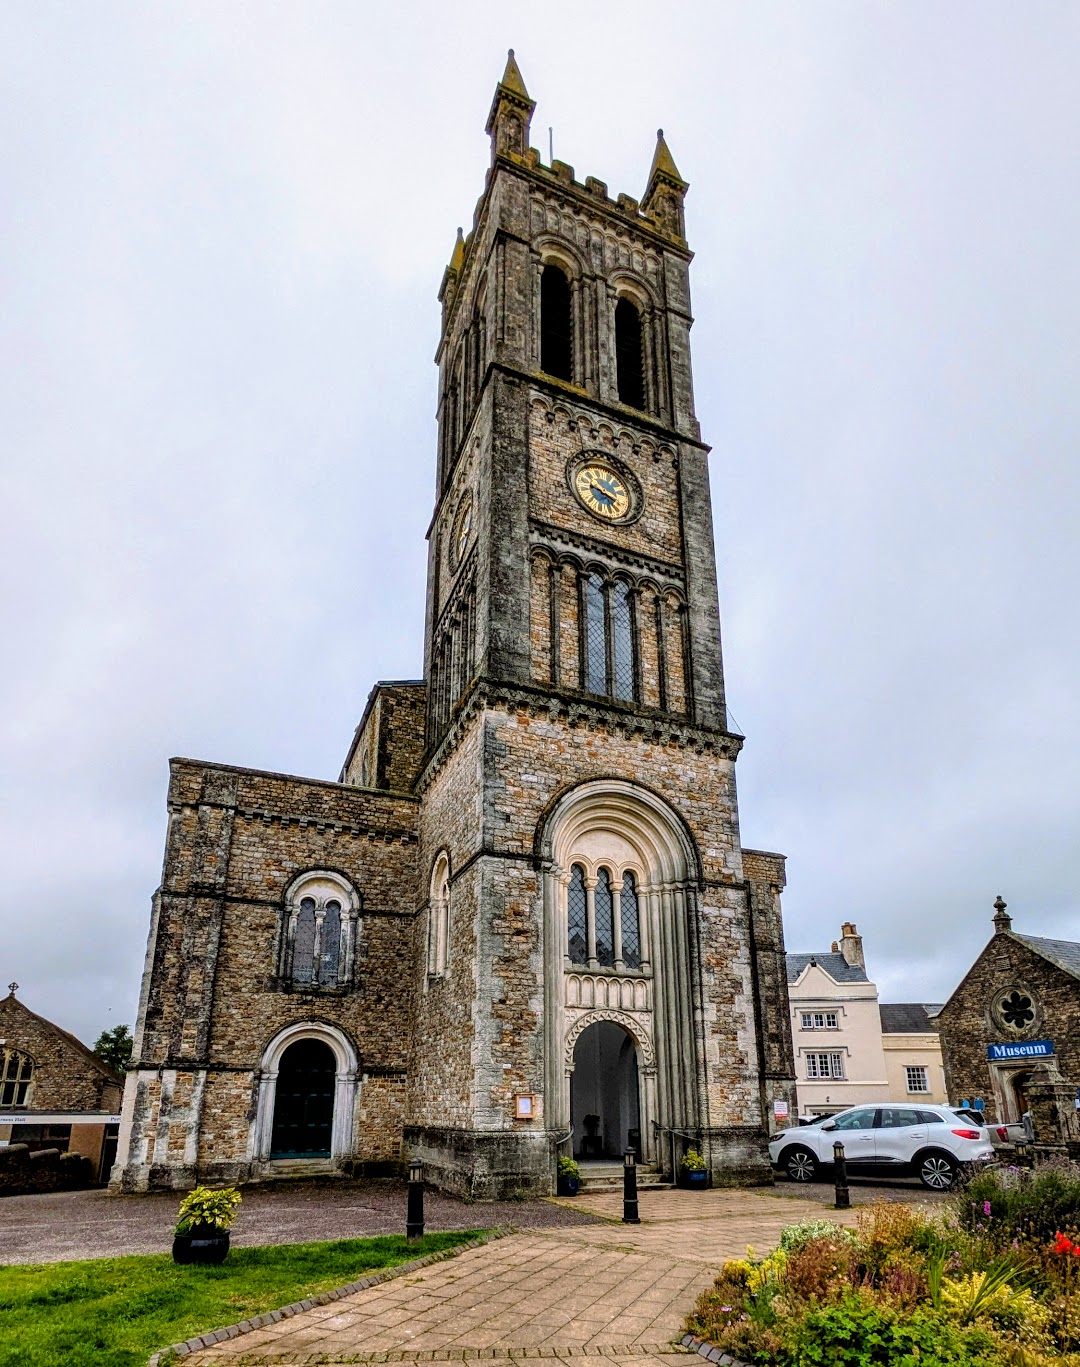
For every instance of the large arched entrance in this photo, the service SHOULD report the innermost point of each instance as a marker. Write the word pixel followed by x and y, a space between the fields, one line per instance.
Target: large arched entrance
pixel 604 1103
pixel 619 901
pixel 304 1103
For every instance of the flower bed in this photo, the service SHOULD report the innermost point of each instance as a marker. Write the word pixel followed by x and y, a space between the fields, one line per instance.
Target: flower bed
pixel 992 1281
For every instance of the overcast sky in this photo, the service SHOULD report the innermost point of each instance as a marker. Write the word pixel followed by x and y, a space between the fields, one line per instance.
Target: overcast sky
pixel 223 228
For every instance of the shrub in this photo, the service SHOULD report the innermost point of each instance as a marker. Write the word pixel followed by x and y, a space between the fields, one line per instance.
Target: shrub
pixel 209 1207
pixel 820 1269
pixel 1020 1203
pixel 568 1168
pixel 693 1161
pixel 859 1332
pixel 796 1235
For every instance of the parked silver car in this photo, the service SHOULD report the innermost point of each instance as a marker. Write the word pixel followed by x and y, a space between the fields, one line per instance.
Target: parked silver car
pixel 932 1142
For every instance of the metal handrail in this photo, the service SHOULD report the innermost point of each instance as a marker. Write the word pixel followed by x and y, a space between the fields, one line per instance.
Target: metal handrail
pixel 568 1135
pixel 683 1134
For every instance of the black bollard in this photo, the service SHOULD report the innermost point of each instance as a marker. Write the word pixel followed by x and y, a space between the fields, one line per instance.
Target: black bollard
pixel 414 1215
pixel 843 1196
pixel 629 1189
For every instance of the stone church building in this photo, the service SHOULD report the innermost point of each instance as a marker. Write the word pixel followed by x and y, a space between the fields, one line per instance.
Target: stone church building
pixel 1010 1033
pixel 521 922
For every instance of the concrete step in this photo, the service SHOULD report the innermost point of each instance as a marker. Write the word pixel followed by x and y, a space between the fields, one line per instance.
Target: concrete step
pixel 609 1177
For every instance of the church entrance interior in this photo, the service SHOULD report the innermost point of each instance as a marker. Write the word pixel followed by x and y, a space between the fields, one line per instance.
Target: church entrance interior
pixel 304 1101
pixel 604 1106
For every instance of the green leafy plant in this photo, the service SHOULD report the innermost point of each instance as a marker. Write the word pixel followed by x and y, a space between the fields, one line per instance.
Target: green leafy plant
pixel 796 1235
pixel 693 1161
pixel 208 1208
pixel 568 1168
pixel 113 1047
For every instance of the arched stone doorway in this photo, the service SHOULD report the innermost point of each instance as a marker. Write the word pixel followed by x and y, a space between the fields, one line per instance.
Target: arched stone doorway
pixel 312 1067
pixel 604 1097
pixel 620 893
pixel 304 1102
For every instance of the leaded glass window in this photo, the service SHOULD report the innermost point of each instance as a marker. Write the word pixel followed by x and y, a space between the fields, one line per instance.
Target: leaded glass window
pixel 303 966
pixel 623 651
pixel 595 635
pixel 631 929
pixel 577 929
pixel 331 944
pixel 605 943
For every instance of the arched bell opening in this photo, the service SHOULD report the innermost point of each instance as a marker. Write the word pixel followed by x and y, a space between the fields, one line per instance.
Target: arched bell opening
pixel 605 1103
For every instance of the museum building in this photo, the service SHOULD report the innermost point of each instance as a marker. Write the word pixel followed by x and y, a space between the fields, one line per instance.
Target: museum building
pixel 1010 1033
pixel 521 922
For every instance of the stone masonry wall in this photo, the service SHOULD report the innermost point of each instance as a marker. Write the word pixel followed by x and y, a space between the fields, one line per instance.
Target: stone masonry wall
pixel 67 1076
pixel 237 839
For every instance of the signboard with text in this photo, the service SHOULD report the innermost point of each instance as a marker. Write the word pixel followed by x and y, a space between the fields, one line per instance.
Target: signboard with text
pixel 1035 1048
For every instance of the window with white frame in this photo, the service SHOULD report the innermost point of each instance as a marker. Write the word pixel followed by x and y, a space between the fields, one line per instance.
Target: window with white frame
pixel 318 942
pixel 825 1066
pixel 918 1077
pixel 820 1020
pixel 438 958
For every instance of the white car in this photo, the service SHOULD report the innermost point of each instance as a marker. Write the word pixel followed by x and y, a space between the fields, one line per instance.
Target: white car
pixel 933 1142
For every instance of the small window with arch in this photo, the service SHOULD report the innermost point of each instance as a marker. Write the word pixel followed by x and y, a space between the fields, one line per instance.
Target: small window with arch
pixel 438 955
pixel 318 943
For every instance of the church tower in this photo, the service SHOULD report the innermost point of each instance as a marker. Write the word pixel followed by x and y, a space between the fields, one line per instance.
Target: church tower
pixel 602 962
pixel 521 923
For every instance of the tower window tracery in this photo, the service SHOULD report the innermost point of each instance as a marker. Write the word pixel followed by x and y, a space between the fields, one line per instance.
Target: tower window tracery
pixel 438 958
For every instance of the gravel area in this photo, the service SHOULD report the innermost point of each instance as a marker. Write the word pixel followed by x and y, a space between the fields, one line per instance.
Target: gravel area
pixel 94 1224
pixel 865 1190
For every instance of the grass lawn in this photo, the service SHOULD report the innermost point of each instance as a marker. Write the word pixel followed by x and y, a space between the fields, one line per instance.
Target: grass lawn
pixel 115 1312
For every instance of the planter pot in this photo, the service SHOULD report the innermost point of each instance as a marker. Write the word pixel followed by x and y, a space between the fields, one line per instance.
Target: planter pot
pixel 568 1186
pixel 201 1245
pixel 694 1180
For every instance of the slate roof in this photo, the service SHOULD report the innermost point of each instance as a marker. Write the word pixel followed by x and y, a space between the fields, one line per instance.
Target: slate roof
pixel 908 1018
pixel 835 965
pixel 1064 953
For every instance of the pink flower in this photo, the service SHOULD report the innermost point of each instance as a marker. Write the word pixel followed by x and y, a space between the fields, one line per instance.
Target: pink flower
pixel 986 1207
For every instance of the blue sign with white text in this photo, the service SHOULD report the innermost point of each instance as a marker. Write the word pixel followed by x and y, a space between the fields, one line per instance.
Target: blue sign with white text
pixel 1035 1048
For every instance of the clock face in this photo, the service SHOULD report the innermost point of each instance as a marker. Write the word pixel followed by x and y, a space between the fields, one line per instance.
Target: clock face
pixel 602 491
pixel 462 532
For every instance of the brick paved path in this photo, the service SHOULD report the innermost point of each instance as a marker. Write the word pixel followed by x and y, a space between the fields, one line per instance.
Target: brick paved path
pixel 619 1293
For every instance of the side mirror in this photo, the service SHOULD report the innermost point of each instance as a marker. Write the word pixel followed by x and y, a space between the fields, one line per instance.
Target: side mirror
pixel 829 1125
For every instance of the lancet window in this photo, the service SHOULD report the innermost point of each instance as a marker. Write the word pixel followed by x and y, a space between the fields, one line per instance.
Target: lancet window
pixel 556 325
pixel 629 355
pixel 438 955
pixel 603 929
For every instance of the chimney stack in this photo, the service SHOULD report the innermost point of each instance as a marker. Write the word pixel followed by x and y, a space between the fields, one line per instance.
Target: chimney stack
pixel 851 945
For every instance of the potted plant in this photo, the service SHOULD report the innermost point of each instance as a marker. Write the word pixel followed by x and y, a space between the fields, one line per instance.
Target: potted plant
pixel 569 1181
pixel 202 1232
pixel 693 1171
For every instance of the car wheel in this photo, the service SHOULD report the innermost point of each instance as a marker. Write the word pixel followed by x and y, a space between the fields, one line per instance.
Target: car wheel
pixel 937 1171
pixel 800 1165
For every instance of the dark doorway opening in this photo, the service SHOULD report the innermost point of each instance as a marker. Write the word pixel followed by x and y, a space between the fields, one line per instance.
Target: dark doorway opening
pixel 604 1106
pixel 304 1101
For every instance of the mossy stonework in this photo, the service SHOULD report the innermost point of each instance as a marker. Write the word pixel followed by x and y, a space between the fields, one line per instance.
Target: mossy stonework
pixel 532 855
